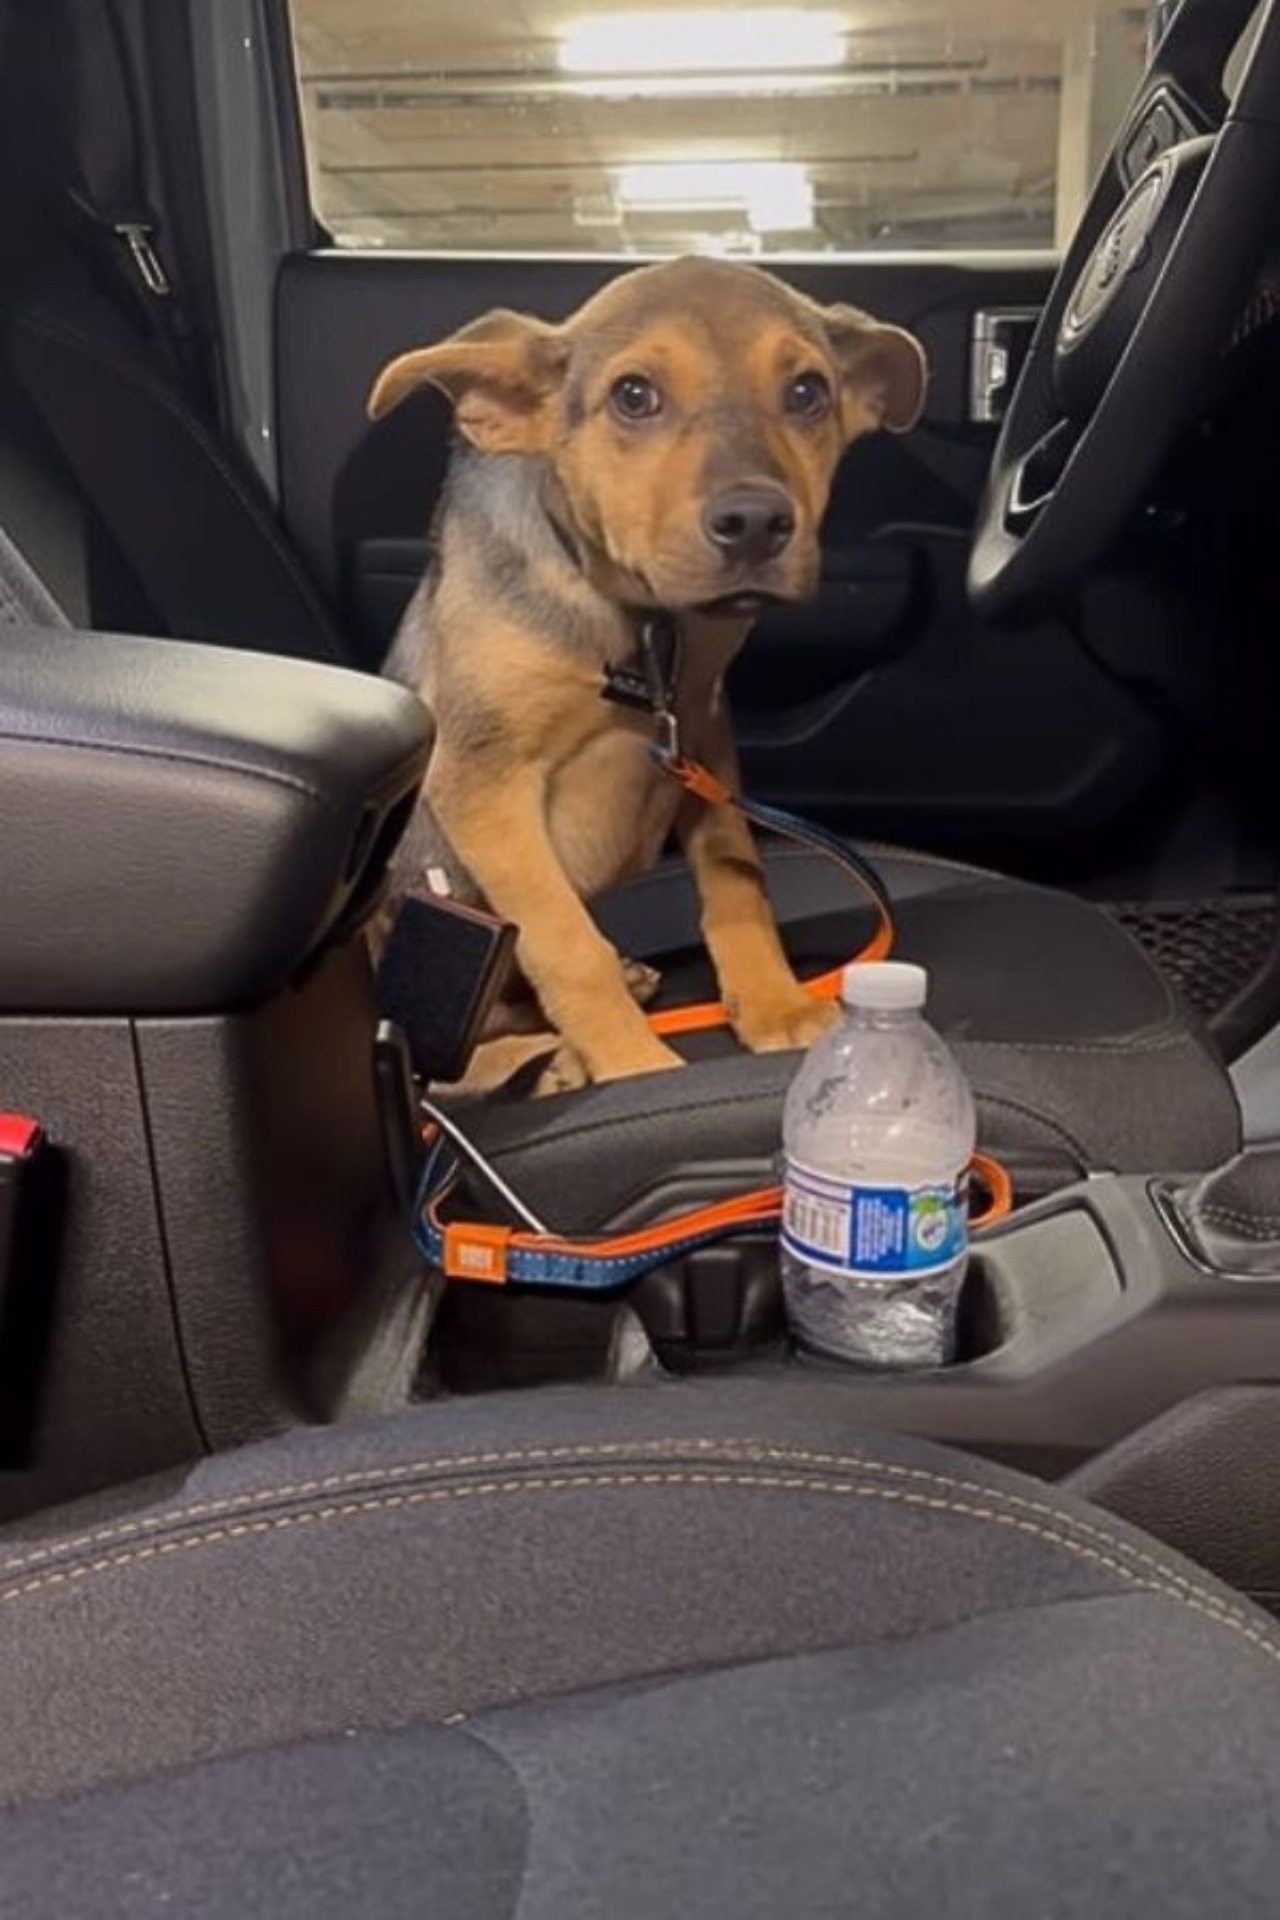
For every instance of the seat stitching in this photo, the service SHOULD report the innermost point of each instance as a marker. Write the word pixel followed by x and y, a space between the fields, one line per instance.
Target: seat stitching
pixel 1194 1600
pixel 775 854
pixel 613 1123
pixel 1153 1039
pixel 171 756
pixel 1261 1226
pixel 618 1122
pixel 879 850
pixel 748 1451
pixel 197 757
pixel 557 1136
pixel 1045 1120
pixel 911 857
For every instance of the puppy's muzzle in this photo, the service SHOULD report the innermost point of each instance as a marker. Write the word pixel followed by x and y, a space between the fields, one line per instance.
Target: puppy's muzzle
pixel 751 524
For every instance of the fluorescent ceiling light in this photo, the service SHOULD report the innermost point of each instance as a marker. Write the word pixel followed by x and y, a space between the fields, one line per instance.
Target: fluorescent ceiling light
pixel 753 40
pixel 719 86
pixel 692 86
pixel 777 197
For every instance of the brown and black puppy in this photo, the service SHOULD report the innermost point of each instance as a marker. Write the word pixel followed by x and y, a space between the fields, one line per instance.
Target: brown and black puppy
pixel 671 446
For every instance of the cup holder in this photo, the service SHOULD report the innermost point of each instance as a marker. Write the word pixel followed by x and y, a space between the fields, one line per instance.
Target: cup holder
pixel 725 1306
pixel 716 1309
pixel 981 1322
pixel 487 1340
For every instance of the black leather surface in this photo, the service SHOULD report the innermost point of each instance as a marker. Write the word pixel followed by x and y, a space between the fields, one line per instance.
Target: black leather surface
pixel 1008 960
pixel 1081 1056
pixel 180 826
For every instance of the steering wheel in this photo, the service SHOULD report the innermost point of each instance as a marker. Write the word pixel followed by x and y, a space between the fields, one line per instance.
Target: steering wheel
pixel 1144 305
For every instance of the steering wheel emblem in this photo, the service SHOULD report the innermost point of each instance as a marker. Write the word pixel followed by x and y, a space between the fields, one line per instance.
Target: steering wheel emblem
pixel 1117 253
pixel 1111 256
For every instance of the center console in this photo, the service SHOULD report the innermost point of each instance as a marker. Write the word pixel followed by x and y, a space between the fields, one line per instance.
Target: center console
pixel 1123 1333
pixel 193 845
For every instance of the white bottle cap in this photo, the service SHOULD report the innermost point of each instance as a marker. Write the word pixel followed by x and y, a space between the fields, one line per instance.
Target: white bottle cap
pixel 884 986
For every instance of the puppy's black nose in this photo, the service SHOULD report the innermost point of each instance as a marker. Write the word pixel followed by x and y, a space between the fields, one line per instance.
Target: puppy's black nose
pixel 749 524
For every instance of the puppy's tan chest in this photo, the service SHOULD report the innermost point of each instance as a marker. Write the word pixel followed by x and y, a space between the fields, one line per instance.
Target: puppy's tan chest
pixel 609 810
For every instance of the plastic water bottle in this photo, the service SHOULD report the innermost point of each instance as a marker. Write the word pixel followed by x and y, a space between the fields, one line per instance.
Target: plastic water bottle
pixel 878 1132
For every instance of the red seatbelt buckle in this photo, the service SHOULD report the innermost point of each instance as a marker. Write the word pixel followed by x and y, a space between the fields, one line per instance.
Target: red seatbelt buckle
pixel 32 1219
pixel 695 779
pixel 23 1162
pixel 20 1137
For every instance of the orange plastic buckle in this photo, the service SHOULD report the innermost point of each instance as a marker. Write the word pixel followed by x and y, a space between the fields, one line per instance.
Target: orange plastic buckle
pixel 999 1188
pixel 477 1252
pixel 700 781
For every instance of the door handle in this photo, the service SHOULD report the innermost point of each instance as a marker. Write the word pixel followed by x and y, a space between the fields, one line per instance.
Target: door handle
pixel 1000 342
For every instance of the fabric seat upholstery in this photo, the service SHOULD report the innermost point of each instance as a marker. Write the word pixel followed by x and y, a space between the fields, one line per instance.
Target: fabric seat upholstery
pixel 651 1650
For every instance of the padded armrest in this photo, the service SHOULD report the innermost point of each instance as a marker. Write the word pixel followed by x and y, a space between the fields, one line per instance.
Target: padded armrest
pixel 182 827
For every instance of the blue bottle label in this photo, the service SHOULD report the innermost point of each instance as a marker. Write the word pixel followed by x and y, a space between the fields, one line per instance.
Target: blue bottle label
pixel 873 1233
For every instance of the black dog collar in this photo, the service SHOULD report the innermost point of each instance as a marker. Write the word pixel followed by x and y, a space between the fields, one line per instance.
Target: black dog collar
pixel 649 679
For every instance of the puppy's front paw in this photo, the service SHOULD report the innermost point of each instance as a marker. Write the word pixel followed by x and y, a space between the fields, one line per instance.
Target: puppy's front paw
pixel 563 1073
pixel 642 981
pixel 566 1071
pixel 783 1026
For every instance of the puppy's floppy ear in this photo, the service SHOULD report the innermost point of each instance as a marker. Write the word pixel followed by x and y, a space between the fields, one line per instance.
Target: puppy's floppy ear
pixel 502 374
pixel 883 371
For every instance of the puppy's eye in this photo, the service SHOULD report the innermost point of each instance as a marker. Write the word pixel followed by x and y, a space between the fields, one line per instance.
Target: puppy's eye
pixel 809 396
pixel 633 397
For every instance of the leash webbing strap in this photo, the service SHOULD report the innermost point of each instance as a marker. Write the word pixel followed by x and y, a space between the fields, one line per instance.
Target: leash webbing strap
pixel 490 1254
pixel 703 785
pixel 487 1253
